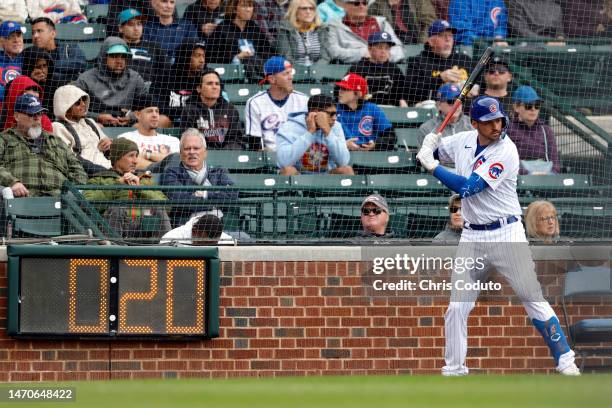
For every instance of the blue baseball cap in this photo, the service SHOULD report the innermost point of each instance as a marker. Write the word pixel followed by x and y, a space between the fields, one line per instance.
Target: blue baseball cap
pixel 275 65
pixel 439 26
pixel 128 14
pixel 486 108
pixel 9 27
pixel 118 49
pixel 380 37
pixel 447 92
pixel 525 94
pixel 28 104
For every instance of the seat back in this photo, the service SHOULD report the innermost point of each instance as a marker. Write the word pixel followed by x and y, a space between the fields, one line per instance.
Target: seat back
pixel 237 160
pixel 588 281
pixel 38 216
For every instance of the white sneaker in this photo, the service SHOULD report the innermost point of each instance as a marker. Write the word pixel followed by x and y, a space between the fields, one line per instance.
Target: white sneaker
pixel 570 370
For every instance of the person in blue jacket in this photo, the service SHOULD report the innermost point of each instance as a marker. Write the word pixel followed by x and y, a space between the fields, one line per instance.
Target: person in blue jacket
pixel 365 125
pixel 11 42
pixel 478 18
pixel 313 142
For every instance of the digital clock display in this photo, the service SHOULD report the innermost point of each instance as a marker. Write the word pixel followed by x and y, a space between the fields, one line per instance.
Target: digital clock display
pixel 107 291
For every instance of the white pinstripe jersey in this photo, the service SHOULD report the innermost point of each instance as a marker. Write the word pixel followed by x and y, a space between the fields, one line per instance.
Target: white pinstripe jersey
pixel 263 117
pixel 497 164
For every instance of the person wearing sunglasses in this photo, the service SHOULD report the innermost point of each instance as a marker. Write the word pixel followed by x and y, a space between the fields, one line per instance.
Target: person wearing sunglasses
pixel 452 232
pixel 313 141
pixel 348 38
pixel 445 98
pixel 534 139
pixel 497 79
pixel 374 218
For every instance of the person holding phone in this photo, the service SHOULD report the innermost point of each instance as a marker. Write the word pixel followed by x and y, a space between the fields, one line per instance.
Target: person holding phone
pixel 313 141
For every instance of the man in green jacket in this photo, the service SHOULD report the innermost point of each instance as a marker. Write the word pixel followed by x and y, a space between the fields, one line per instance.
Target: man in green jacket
pixel 35 163
pixel 128 219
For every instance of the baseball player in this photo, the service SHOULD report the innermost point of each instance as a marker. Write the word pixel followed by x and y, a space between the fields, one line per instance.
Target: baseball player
pixel 486 169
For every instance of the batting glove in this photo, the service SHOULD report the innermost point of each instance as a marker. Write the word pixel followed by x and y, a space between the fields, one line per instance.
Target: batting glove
pixel 432 140
pixel 426 157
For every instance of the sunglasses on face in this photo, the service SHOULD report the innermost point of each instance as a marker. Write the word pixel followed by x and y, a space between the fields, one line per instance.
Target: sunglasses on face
pixel 332 114
pixel 454 209
pixel 449 101
pixel 500 71
pixel 368 211
pixel 535 105
pixel 83 99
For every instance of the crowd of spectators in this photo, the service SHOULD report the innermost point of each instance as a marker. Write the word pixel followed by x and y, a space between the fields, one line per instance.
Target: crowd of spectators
pixel 152 73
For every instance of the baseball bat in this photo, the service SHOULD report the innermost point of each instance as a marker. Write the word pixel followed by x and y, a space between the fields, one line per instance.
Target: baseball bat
pixel 467 86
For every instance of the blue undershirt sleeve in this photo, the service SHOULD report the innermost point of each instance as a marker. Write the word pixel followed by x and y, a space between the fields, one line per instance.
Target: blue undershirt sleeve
pixel 465 187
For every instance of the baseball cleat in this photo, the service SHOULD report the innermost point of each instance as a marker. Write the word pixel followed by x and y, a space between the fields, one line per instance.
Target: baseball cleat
pixel 570 370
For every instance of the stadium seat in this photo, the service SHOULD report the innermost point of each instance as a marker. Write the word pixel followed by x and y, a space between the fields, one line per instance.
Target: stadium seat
pixel 181 7
pixel 90 50
pixel 229 73
pixel 37 216
pixel 80 32
pixel 383 162
pixel 238 161
pixel 238 94
pixel 554 181
pixel 421 183
pixel 301 73
pixel 412 50
pixel 314 89
pixel 336 184
pixel 260 182
pixel 331 72
pixel 406 138
pixel 584 284
pixel 176 132
pixel 96 13
pixel 407 117
pixel 113 132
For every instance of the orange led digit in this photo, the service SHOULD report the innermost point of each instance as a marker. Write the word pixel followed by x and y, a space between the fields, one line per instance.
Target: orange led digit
pixel 102 327
pixel 199 267
pixel 123 326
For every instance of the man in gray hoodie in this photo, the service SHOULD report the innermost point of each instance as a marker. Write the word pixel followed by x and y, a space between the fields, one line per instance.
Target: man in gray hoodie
pixel 111 85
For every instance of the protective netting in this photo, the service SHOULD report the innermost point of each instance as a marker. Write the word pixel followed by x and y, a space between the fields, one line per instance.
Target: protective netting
pixel 150 71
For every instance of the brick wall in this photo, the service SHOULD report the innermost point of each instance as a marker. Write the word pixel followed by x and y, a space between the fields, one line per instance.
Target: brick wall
pixel 281 318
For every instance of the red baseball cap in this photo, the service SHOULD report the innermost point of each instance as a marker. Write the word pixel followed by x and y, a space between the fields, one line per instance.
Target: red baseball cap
pixel 354 82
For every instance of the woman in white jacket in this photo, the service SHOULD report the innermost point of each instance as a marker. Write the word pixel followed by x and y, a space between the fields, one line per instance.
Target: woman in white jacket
pixel 13 10
pixel 83 135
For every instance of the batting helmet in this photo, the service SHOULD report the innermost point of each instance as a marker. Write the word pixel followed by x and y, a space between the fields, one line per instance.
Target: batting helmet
pixel 485 108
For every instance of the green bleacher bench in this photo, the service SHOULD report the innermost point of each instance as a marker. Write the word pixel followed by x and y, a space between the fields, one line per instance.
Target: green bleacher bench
pixel 314 89
pixel 554 181
pixel 239 94
pixel 413 182
pixel 331 72
pixel 229 73
pixel 405 117
pixel 96 13
pixel 80 32
pixel 336 183
pixel 37 216
pixel 260 181
pixel 237 160
pixel 382 162
pixel 90 50
pixel 407 138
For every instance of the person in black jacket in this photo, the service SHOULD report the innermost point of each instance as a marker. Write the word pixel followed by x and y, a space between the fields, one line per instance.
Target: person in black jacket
pixel 215 118
pixel 385 80
pixel 174 88
pixel 437 64
pixel 238 39
pixel 206 15
pixel 38 65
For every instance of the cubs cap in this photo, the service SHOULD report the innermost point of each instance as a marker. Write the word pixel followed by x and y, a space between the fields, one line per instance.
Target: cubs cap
pixel 486 108
pixel 275 65
pixel 354 82
pixel 9 27
pixel 439 26
pixel 118 49
pixel 128 14
pixel 525 94
pixel 380 37
pixel 447 92
pixel 28 104
pixel 378 201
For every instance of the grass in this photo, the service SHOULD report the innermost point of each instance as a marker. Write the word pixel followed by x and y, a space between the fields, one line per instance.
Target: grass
pixel 511 391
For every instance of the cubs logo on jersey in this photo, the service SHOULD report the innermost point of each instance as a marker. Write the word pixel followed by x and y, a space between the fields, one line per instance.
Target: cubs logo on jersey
pixel 271 122
pixel 495 170
pixel 366 125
